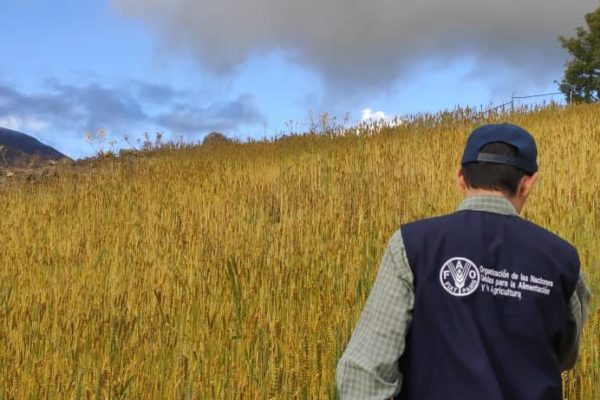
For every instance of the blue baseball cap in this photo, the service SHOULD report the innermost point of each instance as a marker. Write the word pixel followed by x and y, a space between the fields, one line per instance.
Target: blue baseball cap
pixel 525 160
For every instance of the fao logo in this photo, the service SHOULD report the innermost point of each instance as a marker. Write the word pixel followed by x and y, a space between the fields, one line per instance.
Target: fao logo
pixel 459 276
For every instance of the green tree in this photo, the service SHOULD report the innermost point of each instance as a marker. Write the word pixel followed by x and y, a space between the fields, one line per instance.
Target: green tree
pixel 581 82
pixel 215 138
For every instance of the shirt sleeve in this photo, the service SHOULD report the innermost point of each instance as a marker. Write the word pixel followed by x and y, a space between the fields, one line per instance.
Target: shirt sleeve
pixel 578 307
pixel 368 369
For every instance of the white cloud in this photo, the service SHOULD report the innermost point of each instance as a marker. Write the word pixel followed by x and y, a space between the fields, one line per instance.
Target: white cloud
pixel 373 121
pixel 24 124
pixel 368 115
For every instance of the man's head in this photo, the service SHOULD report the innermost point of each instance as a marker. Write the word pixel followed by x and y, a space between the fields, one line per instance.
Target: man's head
pixel 499 159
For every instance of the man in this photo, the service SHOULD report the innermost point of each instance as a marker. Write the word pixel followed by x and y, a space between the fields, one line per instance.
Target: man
pixel 477 304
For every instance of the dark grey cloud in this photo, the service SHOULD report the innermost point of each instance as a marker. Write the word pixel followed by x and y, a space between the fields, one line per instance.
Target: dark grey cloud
pixel 155 93
pixel 97 104
pixel 222 116
pixel 128 108
pixel 72 107
pixel 369 43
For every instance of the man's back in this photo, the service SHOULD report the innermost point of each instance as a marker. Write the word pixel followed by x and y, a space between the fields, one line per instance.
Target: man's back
pixel 478 304
pixel 492 294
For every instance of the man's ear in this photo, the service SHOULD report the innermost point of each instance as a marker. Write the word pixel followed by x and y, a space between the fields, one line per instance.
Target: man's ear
pixel 527 183
pixel 460 180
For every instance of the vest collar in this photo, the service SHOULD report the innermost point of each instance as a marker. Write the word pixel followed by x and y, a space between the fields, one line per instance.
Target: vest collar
pixel 494 204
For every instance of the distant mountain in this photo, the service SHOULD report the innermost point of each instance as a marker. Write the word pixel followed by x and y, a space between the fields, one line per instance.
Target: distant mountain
pixel 19 149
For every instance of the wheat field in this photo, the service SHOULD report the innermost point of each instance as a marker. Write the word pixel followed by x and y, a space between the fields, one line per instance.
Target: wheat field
pixel 239 270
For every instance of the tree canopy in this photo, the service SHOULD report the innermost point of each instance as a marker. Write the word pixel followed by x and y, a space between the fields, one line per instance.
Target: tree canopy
pixel 581 82
pixel 215 138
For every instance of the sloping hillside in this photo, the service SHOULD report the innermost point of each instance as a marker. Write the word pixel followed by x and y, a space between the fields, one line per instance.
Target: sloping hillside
pixel 18 149
pixel 240 269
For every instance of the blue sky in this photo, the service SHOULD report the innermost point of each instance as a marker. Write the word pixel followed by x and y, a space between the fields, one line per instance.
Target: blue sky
pixel 187 67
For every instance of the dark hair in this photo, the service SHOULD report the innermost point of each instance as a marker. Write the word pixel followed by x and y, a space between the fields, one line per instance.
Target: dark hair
pixel 502 177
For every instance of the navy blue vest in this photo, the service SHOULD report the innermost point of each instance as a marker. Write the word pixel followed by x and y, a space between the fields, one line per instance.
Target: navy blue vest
pixel 491 310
